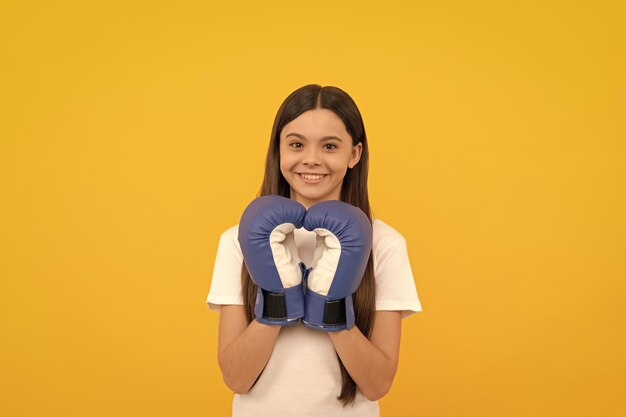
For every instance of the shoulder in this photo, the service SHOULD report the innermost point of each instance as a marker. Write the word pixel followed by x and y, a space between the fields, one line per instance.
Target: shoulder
pixel 385 235
pixel 229 237
pixel 231 232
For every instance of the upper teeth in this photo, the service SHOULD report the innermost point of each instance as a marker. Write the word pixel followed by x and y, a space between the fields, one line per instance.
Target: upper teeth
pixel 312 177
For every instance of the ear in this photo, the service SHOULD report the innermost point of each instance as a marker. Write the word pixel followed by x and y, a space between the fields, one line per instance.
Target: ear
pixel 355 156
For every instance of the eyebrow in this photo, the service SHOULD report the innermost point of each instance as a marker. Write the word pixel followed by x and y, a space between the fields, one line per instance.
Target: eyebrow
pixel 323 139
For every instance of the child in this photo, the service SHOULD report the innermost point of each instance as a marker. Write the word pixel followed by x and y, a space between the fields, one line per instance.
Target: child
pixel 318 152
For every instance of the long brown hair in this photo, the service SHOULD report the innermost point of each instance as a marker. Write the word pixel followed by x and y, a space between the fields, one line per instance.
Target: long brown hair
pixel 353 191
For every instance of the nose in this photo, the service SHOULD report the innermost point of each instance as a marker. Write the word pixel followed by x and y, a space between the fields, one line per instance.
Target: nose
pixel 311 156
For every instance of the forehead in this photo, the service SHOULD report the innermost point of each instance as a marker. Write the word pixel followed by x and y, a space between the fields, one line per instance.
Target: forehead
pixel 316 123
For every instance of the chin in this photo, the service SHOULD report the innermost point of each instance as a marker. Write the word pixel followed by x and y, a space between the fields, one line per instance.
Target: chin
pixel 311 196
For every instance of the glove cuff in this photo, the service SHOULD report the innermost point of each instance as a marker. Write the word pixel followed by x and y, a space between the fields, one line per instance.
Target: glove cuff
pixel 279 308
pixel 328 314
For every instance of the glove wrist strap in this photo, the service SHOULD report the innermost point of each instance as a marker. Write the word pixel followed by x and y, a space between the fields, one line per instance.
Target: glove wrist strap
pixel 328 314
pixel 283 307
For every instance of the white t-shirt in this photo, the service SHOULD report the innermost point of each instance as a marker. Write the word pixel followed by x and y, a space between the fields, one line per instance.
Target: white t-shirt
pixel 302 376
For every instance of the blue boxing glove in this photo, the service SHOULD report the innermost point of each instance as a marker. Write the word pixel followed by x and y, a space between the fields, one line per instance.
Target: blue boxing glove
pixel 269 250
pixel 344 242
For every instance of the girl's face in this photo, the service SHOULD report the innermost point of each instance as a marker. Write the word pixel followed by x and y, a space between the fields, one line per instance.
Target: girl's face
pixel 315 153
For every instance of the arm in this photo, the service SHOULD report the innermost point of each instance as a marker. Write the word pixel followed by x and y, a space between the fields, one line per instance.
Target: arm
pixel 243 350
pixel 372 364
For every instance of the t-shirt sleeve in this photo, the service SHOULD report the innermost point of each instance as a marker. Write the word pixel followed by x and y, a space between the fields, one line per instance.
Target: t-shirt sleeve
pixel 395 287
pixel 226 281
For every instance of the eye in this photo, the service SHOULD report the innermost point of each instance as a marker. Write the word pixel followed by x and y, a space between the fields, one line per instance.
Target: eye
pixel 295 143
pixel 333 146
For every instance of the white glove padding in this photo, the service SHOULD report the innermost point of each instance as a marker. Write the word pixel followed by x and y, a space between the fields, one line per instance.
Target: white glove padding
pixel 325 260
pixel 285 253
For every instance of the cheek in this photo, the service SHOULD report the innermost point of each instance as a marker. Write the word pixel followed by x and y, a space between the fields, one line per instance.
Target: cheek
pixel 286 162
pixel 338 164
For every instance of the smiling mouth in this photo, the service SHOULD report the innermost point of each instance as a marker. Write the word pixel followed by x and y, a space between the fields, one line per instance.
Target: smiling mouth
pixel 312 178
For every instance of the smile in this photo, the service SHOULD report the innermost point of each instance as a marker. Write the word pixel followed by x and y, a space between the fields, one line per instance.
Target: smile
pixel 312 179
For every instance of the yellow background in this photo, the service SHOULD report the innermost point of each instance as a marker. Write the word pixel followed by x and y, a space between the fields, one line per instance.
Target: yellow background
pixel 134 133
